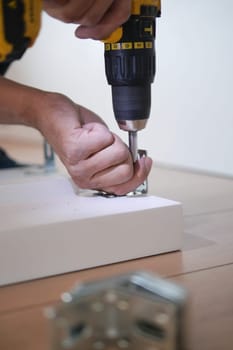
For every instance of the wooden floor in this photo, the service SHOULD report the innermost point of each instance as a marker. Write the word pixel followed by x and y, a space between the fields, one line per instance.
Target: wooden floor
pixel 204 267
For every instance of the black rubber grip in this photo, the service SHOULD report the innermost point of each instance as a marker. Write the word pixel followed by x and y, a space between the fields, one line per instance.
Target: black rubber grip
pixel 131 102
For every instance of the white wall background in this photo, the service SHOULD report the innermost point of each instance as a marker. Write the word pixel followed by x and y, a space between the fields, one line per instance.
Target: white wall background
pixel 191 122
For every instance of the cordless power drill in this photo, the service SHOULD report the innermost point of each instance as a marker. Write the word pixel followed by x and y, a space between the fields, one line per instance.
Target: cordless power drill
pixel 129 56
pixel 130 68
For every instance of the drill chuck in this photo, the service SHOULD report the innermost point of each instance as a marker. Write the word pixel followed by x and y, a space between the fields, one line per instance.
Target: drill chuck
pixel 131 105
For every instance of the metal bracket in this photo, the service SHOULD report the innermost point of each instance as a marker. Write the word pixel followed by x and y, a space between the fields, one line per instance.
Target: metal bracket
pixel 137 311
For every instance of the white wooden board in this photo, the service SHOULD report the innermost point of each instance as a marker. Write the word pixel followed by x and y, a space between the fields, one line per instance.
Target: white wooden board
pixel 48 227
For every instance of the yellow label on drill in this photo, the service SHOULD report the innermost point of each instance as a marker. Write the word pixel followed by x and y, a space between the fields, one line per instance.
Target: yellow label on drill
pixel 116 46
pixel 127 46
pixel 148 45
pixel 139 45
pixel 107 47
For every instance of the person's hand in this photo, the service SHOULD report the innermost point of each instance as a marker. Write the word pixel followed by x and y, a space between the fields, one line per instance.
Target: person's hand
pixel 97 18
pixel 94 157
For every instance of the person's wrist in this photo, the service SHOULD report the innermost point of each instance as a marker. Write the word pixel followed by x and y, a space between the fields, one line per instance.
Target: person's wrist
pixel 44 108
pixel 32 108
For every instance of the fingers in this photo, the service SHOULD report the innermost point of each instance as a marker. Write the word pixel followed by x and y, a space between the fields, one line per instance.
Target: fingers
pixel 111 169
pixel 97 18
pixel 87 12
pixel 97 159
pixel 141 172
pixel 116 15
pixel 93 156
pixel 83 143
pixel 110 166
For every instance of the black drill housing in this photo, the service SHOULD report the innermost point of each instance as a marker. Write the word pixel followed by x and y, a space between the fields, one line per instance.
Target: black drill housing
pixel 130 66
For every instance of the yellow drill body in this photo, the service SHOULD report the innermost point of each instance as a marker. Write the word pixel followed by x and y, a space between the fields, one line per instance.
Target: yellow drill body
pixel 19 27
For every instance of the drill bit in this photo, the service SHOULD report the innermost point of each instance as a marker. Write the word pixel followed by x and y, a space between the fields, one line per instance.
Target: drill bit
pixel 133 145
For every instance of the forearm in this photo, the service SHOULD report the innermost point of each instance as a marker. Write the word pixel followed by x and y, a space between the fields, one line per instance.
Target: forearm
pixel 18 103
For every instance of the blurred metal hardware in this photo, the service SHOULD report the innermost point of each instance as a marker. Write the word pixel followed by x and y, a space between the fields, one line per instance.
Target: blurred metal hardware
pixel 136 311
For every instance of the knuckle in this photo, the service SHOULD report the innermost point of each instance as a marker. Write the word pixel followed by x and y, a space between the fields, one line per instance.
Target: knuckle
pixel 105 134
pixel 101 128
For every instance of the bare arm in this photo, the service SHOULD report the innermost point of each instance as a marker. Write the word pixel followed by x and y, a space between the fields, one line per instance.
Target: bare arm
pixel 17 103
pixel 95 157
